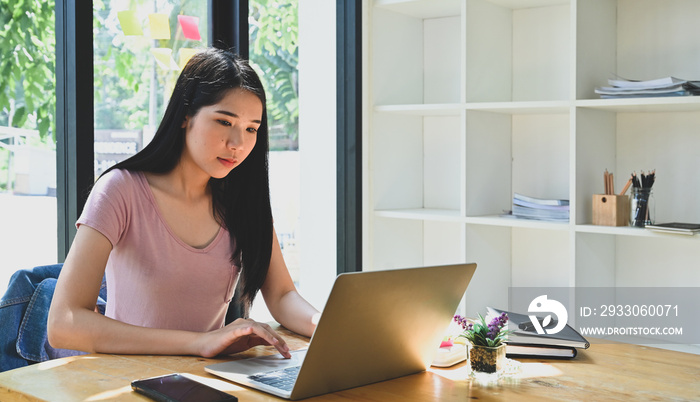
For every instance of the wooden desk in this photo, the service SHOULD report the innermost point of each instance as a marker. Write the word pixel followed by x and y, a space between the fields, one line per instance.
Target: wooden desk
pixel 603 372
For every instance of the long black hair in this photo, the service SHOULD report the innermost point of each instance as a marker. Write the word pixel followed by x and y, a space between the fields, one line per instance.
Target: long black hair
pixel 241 200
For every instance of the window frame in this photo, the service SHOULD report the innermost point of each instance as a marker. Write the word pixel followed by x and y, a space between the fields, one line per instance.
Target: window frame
pixel 349 134
pixel 75 131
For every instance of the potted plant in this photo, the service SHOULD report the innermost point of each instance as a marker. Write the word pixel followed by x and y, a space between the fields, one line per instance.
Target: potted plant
pixel 488 342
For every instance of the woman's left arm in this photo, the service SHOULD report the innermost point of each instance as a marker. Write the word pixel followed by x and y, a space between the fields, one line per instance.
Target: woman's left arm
pixel 282 299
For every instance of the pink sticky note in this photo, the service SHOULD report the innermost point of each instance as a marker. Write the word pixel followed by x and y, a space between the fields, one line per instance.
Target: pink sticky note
pixel 190 26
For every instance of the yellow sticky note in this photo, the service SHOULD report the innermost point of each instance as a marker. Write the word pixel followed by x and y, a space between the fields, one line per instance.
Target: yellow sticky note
pixel 185 55
pixel 164 58
pixel 130 24
pixel 160 27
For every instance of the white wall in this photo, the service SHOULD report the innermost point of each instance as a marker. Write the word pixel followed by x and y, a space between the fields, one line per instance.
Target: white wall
pixel 317 147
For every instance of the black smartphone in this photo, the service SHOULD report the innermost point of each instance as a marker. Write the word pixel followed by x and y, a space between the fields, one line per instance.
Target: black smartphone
pixel 178 388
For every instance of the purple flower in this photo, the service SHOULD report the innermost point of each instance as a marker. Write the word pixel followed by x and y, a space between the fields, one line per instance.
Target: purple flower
pixel 462 321
pixel 481 333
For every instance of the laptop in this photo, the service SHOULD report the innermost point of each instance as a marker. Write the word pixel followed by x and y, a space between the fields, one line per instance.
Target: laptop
pixel 376 325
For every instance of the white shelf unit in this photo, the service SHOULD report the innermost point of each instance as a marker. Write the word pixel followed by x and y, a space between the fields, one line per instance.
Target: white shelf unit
pixel 469 101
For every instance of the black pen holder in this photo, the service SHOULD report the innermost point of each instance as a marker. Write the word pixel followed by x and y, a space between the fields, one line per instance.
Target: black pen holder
pixel 641 207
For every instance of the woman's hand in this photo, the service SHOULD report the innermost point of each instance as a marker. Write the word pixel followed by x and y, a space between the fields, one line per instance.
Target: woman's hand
pixel 238 336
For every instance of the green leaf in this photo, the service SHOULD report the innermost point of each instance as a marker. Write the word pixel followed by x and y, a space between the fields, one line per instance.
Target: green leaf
pixel 29 103
pixel 4 100
pixel 43 126
pixel 19 117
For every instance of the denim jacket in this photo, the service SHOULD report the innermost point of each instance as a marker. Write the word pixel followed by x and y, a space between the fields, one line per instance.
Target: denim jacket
pixel 24 311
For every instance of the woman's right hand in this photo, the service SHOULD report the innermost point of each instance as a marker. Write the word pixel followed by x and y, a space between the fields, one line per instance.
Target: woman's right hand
pixel 239 336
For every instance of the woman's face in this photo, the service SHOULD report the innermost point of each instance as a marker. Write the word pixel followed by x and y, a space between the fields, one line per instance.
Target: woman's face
pixel 219 137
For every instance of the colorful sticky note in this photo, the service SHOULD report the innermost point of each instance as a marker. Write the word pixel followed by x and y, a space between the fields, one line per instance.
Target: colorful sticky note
pixel 164 57
pixel 185 55
pixel 130 24
pixel 160 27
pixel 190 26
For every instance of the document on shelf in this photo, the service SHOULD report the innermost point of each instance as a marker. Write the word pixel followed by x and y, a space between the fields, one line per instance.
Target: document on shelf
pixel 664 82
pixel 540 201
pixel 666 86
pixel 540 208
pixel 646 91
pixel 540 213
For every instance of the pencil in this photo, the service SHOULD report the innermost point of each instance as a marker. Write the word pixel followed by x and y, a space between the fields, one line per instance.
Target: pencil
pixel 624 190
pixel 635 181
pixel 612 184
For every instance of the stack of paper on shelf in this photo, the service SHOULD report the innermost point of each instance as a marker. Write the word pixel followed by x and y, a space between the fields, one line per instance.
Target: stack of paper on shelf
pixel 526 342
pixel 667 86
pixel 538 208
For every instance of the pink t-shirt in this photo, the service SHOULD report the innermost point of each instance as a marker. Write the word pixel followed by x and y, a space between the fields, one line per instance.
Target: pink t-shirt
pixel 154 279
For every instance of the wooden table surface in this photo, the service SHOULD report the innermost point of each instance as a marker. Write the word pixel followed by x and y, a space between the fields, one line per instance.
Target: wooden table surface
pixel 615 372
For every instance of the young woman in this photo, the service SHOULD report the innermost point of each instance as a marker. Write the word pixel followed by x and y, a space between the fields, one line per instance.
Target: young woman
pixel 174 227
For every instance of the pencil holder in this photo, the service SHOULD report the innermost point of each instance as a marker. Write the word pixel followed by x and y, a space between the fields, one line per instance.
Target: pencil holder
pixel 610 210
pixel 642 207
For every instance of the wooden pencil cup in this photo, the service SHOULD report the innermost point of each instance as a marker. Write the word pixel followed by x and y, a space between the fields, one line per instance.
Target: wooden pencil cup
pixel 611 210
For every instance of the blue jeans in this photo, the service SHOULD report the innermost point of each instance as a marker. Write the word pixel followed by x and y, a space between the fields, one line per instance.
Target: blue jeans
pixel 24 311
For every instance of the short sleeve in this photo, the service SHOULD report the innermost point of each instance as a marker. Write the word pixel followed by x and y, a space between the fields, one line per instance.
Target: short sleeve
pixel 106 209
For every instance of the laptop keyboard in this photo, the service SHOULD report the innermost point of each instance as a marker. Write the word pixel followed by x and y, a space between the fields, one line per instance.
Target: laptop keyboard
pixel 282 379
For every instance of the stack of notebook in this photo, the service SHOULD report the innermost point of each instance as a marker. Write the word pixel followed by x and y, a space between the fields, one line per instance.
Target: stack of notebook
pixel 667 86
pixel 526 342
pixel 539 208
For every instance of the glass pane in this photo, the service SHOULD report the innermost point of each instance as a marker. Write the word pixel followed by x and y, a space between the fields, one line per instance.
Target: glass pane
pixel 274 54
pixel 27 137
pixel 140 47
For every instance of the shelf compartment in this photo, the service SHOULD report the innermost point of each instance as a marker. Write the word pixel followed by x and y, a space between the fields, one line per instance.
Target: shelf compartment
pixel 635 39
pixel 417 58
pixel 627 142
pixel 504 157
pixel 424 168
pixel 629 257
pixel 402 243
pixel 518 54
pixel 541 258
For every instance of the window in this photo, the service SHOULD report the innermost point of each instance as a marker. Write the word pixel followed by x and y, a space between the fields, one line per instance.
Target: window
pixel 88 30
pixel 27 137
pixel 274 54
pixel 139 49
pixel 292 46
